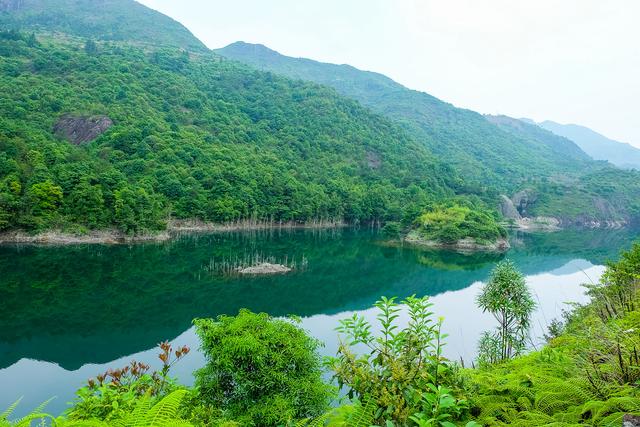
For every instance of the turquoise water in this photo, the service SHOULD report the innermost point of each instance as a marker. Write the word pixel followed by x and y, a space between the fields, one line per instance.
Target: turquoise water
pixel 68 313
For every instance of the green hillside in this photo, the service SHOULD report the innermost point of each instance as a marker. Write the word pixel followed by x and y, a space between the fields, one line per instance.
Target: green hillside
pixel 601 194
pixel 114 20
pixel 192 137
pixel 493 154
pixel 115 115
pixel 483 153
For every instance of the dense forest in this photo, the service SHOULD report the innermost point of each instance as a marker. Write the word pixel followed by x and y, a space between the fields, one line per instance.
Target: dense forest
pixel 493 154
pixel 116 116
pixel 192 137
pixel 113 20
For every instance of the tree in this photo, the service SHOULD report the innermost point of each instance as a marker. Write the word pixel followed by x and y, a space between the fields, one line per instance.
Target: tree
pixel 86 203
pixel 260 370
pixel 90 47
pixel 32 41
pixel 136 210
pixel 46 197
pixel 508 298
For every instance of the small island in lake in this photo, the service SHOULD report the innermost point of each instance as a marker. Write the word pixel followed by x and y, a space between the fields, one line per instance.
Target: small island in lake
pixel 265 268
pixel 458 227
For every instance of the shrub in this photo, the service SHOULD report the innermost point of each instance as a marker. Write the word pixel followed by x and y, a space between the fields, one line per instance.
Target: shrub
pixel 115 393
pixel 392 229
pixel 400 367
pixel 260 370
pixel 448 224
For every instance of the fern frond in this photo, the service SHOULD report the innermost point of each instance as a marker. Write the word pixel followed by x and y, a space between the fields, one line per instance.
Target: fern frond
pixel 62 422
pixel 363 415
pixel 137 418
pixel 26 421
pixel 7 413
pixel 321 420
pixel 164 412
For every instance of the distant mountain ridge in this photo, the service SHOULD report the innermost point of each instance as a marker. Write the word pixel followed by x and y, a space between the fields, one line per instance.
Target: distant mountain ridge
pixel 596 145
pixel 111 20
pixel 483 152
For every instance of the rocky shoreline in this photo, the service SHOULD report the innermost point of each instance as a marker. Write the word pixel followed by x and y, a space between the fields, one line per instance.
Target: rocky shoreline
pixel 462 245
pixel 174 228
pixel 515 210
pixel 110 237
pixel 544 223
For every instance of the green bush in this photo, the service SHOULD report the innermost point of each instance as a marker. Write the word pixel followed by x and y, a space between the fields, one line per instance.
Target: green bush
pixel 260 370
pixel 399 369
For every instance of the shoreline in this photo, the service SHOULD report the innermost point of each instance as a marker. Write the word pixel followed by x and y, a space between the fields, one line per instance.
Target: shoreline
pixel 174 229
pixel 463 245
pixel 551 224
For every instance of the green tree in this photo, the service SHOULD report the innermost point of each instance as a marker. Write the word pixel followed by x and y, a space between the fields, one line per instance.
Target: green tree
pixel 137 211
pixel 90 47
pixel 508 298
pixel 86 204
pixel 260 370
pixel 46 198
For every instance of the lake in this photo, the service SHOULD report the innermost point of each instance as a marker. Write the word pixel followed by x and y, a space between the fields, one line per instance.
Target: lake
pixel 68 313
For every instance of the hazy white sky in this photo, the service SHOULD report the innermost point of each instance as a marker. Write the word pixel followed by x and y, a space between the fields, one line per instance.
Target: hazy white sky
pixel 571 61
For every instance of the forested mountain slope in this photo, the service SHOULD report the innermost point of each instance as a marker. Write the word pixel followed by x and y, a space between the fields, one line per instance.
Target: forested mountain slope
pixel 189 136
pixel 483 153
pixel 544 174
pixel 601 195
pixel 114 20
pixel 115 115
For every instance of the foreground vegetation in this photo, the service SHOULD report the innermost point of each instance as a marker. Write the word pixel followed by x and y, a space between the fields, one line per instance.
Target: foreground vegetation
pixel 265 371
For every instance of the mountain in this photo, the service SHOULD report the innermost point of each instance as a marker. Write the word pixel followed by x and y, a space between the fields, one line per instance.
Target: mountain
pixel 114 135
pixel 483 153
pixel 601 196
pixel 538 172
pixel 128 128
pixel 112 20
pixel 596 145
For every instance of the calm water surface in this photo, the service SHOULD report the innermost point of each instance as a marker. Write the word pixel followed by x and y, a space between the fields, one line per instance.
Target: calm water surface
pixel 69 313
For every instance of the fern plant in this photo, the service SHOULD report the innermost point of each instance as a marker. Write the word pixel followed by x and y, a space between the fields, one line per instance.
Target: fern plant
pixel 162 414
pixel 36 415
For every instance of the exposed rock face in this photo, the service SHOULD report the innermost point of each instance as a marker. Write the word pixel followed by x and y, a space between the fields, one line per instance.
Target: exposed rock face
pixel 373 160
pixel 508 209
pixel 522 200
pixel 80 130
pixel 631 421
